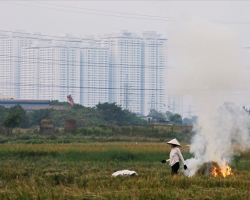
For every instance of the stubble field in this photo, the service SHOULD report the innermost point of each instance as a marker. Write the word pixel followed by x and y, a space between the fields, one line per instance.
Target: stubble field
pixel 83 171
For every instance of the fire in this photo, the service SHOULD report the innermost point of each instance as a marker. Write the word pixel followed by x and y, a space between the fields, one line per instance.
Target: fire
pixel 215 171
pixel 224 171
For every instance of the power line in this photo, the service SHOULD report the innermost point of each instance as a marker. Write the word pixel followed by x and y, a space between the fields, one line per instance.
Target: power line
pixel 129 15
pixel 100 14
pixel 99 43
pixel 108 11
pixel 86 92
pixel 67 62
pixel 106 88
pixel 76 87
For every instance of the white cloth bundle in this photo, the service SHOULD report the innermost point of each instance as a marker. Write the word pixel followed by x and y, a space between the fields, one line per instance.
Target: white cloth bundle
pixel 124 172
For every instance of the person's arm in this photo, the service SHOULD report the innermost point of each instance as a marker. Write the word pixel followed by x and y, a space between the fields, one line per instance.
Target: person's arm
pixel 164 161
pixel 180 156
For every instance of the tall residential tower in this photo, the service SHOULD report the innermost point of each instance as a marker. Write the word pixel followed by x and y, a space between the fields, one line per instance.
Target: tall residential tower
pixel 154 66
pixel 11 44
pixel 121 67
pixel 136 72
pixel 125 67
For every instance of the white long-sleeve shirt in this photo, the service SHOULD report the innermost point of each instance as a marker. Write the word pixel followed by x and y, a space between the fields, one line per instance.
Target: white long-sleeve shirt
pixel 175 156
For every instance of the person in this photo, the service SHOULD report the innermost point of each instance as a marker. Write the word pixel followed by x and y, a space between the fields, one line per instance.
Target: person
pixel 175 156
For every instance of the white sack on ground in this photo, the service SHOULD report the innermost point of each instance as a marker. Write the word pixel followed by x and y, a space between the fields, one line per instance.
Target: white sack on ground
pixel 124 172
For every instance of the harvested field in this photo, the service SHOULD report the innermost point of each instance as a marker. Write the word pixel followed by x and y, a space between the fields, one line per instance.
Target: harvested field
pixel 83 171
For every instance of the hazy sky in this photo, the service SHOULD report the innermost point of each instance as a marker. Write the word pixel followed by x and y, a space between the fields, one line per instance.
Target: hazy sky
pixel 103 17
pixel 83 17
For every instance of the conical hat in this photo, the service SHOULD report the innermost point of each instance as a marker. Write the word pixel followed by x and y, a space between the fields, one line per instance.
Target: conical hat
pixel 174 141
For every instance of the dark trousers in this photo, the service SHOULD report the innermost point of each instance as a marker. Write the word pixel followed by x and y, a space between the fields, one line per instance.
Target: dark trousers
pixel 175 168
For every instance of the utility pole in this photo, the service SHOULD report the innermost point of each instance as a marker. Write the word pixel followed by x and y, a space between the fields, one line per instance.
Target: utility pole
pixel 126 94
pixel 189 112
pixel 152 102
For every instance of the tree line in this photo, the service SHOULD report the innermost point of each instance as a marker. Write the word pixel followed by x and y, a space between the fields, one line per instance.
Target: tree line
pixel 101 114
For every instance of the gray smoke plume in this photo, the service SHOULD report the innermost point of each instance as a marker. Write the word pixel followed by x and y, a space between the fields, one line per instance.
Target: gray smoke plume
pixel 210 69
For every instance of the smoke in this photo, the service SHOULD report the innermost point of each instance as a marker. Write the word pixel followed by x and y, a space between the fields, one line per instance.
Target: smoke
pixel 210 68
pixel 217 135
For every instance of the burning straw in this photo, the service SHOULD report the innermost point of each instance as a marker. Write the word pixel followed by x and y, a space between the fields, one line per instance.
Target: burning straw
pixel 213 169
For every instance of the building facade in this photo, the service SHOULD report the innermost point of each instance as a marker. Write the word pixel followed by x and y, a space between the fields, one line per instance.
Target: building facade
pixel 29 73
pixel 94 75
pixel 50 71
pixel 154 66
pixel 137 68
pixel 124 69
pixel 121 67
pixel 11 44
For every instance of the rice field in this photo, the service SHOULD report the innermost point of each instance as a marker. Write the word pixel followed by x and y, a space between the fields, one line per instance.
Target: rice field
pixel 83 171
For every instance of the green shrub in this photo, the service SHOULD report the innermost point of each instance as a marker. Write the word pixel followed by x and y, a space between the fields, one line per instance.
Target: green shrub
pixel 24 137
pixel 3 140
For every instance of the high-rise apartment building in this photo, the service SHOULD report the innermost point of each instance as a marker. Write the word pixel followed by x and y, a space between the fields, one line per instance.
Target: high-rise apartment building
pixel 153 66
pixel 136 73
pixel 29 73
pixel 51 71
pixel 11 44
pixel 124 69
pixel 94 75
pixel 121 67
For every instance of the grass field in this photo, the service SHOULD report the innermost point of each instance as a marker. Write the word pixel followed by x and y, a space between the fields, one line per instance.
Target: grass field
pixel 83 171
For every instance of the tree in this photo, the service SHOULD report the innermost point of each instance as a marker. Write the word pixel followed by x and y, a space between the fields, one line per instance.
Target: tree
pixel 174 118
pixel 18 109
pixel 154 113
pixel 77 106
pixel 14 117
pixel 186 121
pixel 57 103
pixel 101 114
pixel 115 115
pixel 12 120
pixel 3 112
pixel 111 112
pixel 36 116
pixel 193 120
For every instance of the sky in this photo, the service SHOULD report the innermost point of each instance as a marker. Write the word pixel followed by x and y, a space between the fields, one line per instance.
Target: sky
pixel 99 17
pixel 104 17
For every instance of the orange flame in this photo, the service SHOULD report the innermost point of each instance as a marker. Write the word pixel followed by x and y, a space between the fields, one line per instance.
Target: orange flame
pixel 225 171
pixel 215 172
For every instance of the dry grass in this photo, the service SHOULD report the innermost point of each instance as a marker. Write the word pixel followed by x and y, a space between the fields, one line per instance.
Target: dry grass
pixel 61 172
pixel 91 147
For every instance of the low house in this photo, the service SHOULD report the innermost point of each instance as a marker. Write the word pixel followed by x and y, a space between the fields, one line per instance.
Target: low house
pixel 156 120
pixel 26 104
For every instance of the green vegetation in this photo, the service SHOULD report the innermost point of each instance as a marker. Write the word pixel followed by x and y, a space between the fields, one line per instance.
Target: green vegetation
pixel 103 123
pixel 153 133
pixel 174 118
pixel 102 114
pixel 13 117
pixel 83 171
pixel 77 164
